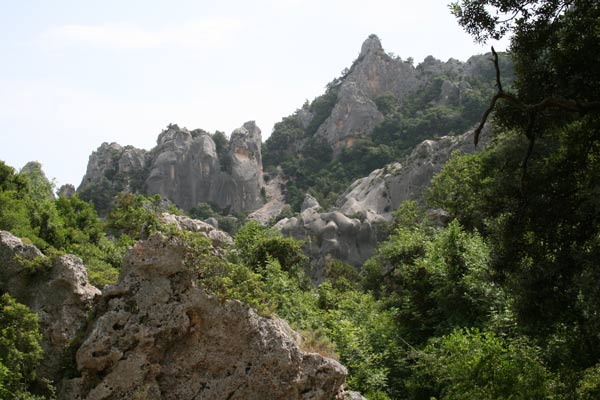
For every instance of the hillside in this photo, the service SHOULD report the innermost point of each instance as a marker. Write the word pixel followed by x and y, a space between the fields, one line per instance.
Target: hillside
pixel 407 264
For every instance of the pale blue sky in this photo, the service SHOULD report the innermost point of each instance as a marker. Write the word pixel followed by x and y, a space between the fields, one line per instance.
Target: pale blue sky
pixel 78 73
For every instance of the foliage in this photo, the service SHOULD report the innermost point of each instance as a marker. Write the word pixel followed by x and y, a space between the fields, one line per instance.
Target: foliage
pixel 227 223
pixel 257 245
pixel 135 216
pixel 474 364
pixel 20 351
pixel 309 164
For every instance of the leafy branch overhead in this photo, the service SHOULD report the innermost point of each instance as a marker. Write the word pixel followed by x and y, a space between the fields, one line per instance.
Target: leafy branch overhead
pixel 532 110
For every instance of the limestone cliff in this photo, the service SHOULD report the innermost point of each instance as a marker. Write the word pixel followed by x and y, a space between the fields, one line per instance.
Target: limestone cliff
pixel 354 114
pixel 185 167
pixel 377 195
pixel 373 74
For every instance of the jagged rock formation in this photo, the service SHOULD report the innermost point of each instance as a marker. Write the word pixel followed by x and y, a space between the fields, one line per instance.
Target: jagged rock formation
pixel 185 167
pixel 377 195
pixel 350 233
pixel 218 238
pixel 57 290
pixel 373 74
pixel 36 176
pixel 67 190
pixel 112 169
pixel 331 235
pixel 159 335
pixel 354 113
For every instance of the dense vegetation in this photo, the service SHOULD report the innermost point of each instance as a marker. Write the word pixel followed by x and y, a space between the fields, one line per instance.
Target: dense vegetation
pixel 500 303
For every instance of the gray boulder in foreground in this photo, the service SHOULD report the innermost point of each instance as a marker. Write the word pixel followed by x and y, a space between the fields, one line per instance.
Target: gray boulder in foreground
pixel 59 293
pixel 159 335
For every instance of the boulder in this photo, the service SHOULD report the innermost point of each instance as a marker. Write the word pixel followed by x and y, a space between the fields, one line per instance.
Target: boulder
pixel 56 289
pixel 218 238
pixel 159 335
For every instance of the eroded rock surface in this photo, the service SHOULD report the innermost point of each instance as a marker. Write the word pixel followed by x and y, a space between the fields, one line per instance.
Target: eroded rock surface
pixel 161 336
pixel 219 238
pixel 56 290
pixel 185 167
pixel 377 195
pixel 331 235
pixel 373 74
pixel 275 200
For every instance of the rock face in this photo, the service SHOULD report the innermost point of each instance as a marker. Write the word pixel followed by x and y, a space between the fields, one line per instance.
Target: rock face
pixel 377 195
pixel 246 168
pixel 161 336
pixel 275 200
pixel 185 167
pixel 354 113
pixel 373 74
pixel 350 233
pixel 331 235
pixel 59 293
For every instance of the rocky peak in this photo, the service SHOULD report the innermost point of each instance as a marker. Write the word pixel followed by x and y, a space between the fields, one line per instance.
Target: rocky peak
pixel 34 172
pixel 373 74
pixel 175 135
pixel 67 190
pixel 246 142
pixel 370 46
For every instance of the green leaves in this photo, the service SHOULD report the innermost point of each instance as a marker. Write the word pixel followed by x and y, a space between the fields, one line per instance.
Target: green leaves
pixel 20 351
pixel 473 364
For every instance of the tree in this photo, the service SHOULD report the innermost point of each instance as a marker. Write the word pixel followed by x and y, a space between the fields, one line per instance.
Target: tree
pixel 545 234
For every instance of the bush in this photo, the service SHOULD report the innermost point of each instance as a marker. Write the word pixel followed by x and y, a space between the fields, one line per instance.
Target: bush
pixel 473 364
pixel 20 350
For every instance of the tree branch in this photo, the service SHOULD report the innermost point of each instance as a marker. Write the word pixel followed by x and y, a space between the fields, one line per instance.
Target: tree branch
pixel 532 110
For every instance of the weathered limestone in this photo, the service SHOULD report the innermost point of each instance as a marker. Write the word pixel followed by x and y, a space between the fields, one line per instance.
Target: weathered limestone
pixel 161 336
pixel 184 167
pixel 59 293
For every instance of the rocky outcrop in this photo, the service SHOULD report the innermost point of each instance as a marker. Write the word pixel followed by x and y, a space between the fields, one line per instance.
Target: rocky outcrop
pixel 246 169
pixel 373 74
pixel 159 335
pixel 56 289
pixel 331 235
pixel 112 169
pixel 275 200
pixel 67 190
pixel 377 195
pixel 38 180
pixel 351 231
pixel 218 238
pixel 185 167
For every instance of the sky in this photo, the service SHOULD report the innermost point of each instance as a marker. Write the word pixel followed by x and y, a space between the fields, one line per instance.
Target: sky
pixel 78 73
